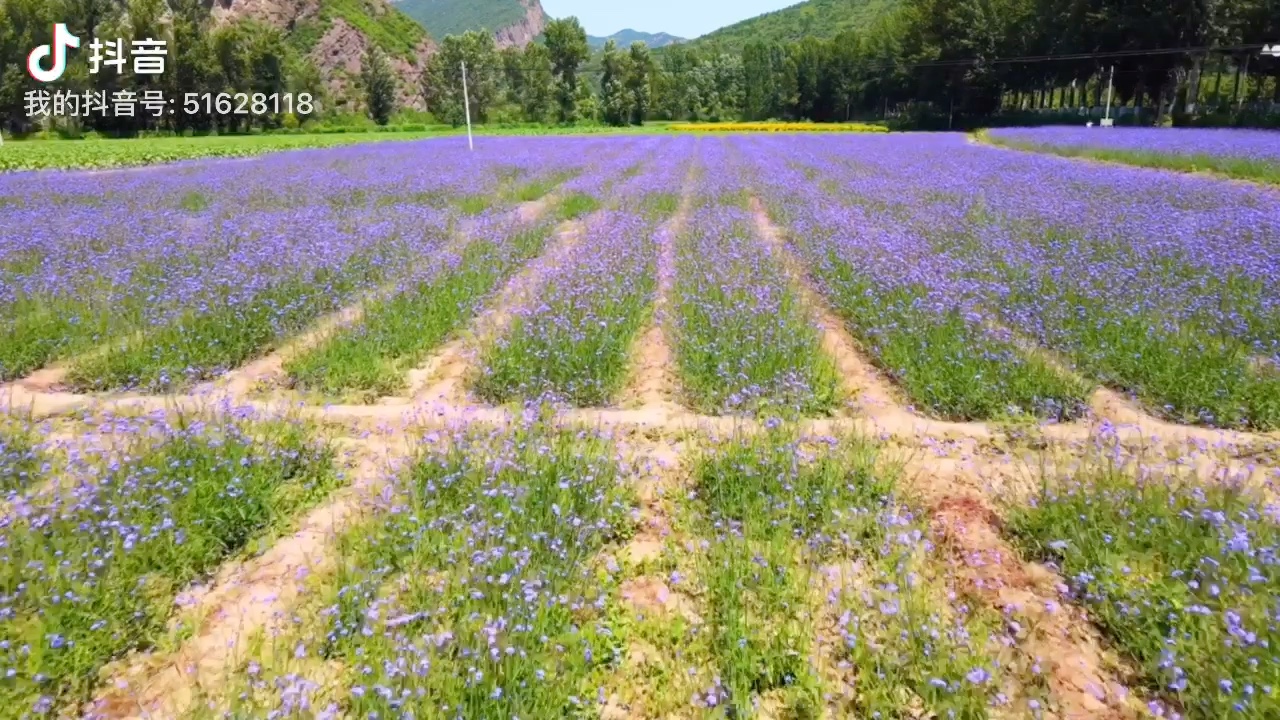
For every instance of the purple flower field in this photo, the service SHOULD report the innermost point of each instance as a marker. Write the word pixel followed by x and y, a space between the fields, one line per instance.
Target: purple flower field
pixel 663 482
pixel 1245 154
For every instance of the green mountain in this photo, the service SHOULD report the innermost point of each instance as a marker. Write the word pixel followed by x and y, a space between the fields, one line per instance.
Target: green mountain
pixel 454 17
pixel 624 38
pixel 822 19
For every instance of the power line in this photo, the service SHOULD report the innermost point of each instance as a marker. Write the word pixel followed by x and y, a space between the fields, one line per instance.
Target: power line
pixel 1221 49
pixel 963 62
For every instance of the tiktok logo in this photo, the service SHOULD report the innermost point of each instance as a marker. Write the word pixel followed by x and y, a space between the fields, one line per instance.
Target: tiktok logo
pixel 62 39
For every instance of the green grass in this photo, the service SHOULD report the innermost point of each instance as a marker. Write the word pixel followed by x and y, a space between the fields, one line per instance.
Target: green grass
pixel 372 357
pixel 577 205
pixel 483 594
pixel 21 465
pixel 71 154
pixel 949 363
pixel 37 330
pixel 1188 368
pixel 538 188
pixel 19 155
pixel 1238 168
pixel 91 576
pixel 1179 575
pixel 473 205
pixel 657 205
pixel 743 340
pixel 808 544
pixel 574 343
pixel 1182 373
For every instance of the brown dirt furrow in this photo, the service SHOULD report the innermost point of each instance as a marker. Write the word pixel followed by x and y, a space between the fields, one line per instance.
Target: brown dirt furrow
pixel 909 432
pixel 648 672
pixel 243 601
pixel 839 678
pixel 1084 681
pixel 18 399
pixel 441 379
pixel 652 384
pixel 48 379
pixel 1114 408
pixel 1118 410
pixel 657 483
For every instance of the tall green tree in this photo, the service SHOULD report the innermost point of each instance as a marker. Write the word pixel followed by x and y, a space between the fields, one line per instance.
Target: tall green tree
pixel 442 81
pixel 537 95
pixel 762 66
pixel 24 24
pixel 511 60
pixel 639 81
pixel 191 65
pixel 379 85
pixel 567 43
pixel 676 97
pixel 614 103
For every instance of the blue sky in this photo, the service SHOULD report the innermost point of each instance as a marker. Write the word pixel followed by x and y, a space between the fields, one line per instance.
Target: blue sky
pixel 685 18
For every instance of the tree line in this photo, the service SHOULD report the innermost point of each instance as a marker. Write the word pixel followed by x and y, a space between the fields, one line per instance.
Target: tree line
pixel 938 62
pixel 545 82
pixel 929 61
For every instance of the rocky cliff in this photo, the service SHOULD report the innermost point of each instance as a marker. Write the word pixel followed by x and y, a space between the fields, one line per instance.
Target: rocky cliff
pixel 523 32
pixel 332 38
pixel 335 35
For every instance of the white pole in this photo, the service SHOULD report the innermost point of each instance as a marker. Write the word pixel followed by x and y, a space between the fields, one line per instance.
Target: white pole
pixel 466 102
pixel 1110 82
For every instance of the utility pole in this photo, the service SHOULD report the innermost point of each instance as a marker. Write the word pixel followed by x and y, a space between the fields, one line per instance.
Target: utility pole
pixel 1240 95
pixel 1106 120
pixel 466 103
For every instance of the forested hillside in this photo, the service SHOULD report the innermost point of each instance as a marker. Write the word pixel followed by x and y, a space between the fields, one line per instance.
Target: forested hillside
pixel 822 19
pixel 513 22
pixel 454 17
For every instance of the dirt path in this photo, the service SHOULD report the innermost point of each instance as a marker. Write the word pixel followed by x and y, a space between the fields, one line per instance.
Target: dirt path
pixel 242 602
pixel 647 592
pixel 652 385
pixel 1052 633
pixel 441 379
